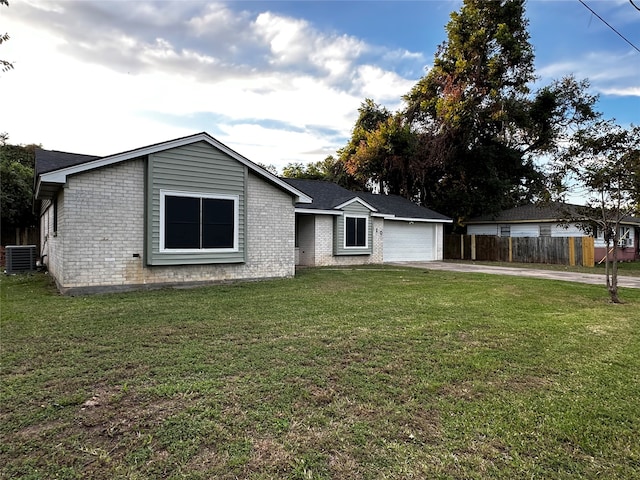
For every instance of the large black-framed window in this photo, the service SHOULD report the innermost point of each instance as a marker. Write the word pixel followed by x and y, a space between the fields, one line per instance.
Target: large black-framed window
pixel 195 222
pixel 355 232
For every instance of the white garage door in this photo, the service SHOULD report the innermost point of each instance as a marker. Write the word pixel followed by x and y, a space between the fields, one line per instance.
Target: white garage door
pixel 404 241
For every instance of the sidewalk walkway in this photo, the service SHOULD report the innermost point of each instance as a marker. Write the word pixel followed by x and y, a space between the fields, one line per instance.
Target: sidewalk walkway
pixel 591 278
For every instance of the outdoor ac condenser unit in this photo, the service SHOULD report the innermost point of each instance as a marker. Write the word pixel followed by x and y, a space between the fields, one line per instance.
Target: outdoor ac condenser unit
pixel 20 258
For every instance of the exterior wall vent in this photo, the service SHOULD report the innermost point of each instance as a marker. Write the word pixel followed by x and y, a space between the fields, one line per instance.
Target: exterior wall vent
pixel 21 258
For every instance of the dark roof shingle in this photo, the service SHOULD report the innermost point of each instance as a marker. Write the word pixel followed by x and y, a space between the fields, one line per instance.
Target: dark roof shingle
pixel 399 206
pixel 50 160
pixel 544 212
pixel 328 195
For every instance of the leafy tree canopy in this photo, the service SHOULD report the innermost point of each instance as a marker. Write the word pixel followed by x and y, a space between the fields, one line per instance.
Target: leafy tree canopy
pixel 16 184
pixel 330 169
pixel 471 135
pixel 486 64
pixel 602 161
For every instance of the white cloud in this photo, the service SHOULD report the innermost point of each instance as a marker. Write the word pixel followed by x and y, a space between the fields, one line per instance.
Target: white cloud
pixel 285 37
pixel 623 92
pixel 215 17
pixel 275 147
pixel 280 90
pixel 382 85
pixel 608 74
pixel 295 42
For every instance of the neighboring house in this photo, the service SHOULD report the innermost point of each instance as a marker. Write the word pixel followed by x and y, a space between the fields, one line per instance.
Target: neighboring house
pixel 189 210
pixel 550 220
pixel 341 227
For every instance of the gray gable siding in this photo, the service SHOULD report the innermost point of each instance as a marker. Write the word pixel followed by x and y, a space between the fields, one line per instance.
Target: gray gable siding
pixel 194 168
pixel 353 209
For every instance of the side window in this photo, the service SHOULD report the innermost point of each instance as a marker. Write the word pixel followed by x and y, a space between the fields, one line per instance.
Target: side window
pixel 356 229
pixel 545 230
pixel 505 230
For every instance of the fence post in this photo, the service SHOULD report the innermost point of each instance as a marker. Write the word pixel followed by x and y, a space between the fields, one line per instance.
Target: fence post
pixel 510 249
pixel 473 247
pixel 572 251
pixel 461 247
pixel 588 252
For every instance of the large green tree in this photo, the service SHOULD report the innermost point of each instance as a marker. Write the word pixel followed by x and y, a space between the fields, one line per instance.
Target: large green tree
pixel 480 73
pixel 468 141
pixel 477 101
pixel 471 103
pixel 384 157
pixel 364 172
pixel 16 187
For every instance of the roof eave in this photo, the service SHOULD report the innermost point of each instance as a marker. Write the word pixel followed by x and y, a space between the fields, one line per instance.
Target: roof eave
pixel 60 176
pixel 359 200
pixel 48 189
pixel 318 211
pixel 422 220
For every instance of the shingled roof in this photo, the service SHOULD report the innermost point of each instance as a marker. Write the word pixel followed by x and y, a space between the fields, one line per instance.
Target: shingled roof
pixel 544 212
pixel 400 207
pixel 50 160
pixel 328 196
pixel 53 167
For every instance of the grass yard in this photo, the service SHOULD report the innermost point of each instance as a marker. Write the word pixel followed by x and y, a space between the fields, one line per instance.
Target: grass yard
pixel 335 374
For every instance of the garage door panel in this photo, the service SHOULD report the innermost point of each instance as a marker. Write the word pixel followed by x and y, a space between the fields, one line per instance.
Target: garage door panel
pixel 404 241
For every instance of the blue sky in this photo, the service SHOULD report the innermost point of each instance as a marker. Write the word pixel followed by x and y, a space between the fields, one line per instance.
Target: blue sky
pixel 279 82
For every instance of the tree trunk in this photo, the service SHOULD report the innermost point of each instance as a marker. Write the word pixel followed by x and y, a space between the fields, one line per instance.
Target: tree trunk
pixel 606 266
pixel 613 286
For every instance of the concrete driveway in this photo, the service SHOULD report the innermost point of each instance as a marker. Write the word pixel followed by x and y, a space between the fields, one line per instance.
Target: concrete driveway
pixel 591 278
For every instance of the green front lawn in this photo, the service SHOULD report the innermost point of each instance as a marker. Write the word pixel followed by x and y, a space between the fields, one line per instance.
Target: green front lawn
pixel 335 374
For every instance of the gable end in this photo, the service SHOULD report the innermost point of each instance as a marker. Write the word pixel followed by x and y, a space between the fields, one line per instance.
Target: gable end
pixel 198 172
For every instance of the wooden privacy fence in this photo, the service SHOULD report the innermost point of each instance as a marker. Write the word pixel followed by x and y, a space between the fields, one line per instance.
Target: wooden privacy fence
pixel 555 250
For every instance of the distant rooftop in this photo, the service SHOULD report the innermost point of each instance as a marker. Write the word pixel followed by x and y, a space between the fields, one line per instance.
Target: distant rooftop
pixel 543 212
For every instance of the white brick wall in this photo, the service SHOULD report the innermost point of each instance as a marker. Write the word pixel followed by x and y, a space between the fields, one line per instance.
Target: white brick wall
pixel 46 234
pixel 306 240
pixel 103 225
pixel 378 240
pixel 323 252
pixel 51 244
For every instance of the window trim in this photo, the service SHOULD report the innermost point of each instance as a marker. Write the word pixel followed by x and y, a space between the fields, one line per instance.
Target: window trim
pixel 366 236
pixel 215 196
